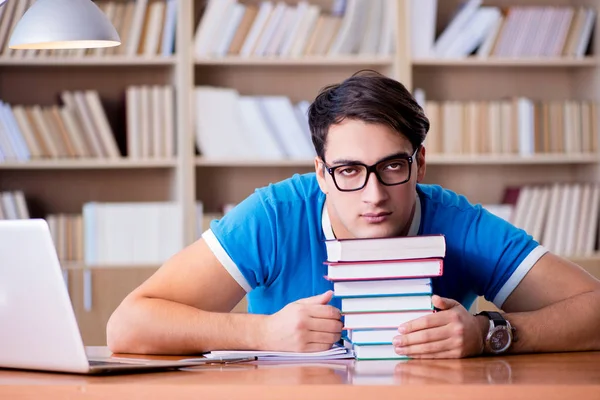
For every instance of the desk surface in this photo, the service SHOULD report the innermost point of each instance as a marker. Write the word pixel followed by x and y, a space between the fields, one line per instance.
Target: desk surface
pixel 548 376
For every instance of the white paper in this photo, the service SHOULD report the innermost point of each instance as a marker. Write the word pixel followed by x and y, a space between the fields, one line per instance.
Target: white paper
pixel 336 352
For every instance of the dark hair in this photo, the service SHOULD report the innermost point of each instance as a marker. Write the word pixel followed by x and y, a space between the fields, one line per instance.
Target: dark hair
pixel 370 97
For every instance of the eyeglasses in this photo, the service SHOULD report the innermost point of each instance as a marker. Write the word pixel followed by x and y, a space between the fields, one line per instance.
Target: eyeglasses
pixel 391 171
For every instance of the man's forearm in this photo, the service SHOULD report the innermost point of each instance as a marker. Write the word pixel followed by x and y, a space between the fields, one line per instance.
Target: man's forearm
pixel 156 326
pixel 569 325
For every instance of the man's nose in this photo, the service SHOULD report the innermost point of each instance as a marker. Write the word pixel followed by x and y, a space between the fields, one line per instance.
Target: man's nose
pixel 374 191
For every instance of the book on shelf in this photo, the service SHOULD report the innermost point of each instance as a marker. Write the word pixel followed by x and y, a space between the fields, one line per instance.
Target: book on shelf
pixel 387 283
pixel 516 31
pixel 518 126
pixel 13 205
pixel 146 28
pixel 232 126
pixel 563 217
pixel 80 128
pixel 278 29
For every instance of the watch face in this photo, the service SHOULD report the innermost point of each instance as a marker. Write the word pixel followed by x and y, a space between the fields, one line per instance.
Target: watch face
pixel 500 339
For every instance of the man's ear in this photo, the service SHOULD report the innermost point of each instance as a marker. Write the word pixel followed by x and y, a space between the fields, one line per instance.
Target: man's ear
pixel 421 164
pixel 320 172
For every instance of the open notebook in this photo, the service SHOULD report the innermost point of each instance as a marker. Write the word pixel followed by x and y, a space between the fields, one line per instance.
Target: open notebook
pixel 336 352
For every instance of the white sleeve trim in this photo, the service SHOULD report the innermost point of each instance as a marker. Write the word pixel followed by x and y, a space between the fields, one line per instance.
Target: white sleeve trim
pixel 518 275
pixel 219 252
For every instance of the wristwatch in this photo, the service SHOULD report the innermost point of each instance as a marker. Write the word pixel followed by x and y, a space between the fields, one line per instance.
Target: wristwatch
pixel 500 335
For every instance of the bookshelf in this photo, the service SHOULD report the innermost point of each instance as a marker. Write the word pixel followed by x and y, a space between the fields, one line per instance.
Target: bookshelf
pixel 64 185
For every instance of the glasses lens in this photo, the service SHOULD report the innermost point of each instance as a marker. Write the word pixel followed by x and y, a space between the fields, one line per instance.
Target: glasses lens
pixel 350 177
pixel 394 171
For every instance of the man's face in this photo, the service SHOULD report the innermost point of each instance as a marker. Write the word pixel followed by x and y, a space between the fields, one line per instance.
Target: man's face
pixel 376 210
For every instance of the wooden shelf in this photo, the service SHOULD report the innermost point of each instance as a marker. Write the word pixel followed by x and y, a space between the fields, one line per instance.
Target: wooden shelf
pixel 75 164
pixel 488 159
pixel 88 61
pixel 508 62
pixel 304 61
pixel 203 162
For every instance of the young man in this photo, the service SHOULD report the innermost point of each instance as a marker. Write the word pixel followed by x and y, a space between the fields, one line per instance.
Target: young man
pixel 367 133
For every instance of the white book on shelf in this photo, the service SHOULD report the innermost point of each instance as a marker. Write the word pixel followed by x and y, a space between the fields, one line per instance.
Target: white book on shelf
pixel 279 112
pixel 526 126
pixel 548 239
pixel 523 33
pixel 75 132
pixel 423 16
pixel 9 205
pixel 78 105
pixel 169 230
pixel 231 24
pixel 300 109
pixel 169 121
pixel 459 20
pixel 305 30
pixel 371 38
pixel 117 21
pixel 136 28
pixel 211 26
pixel 44 131
pixel 101 124
pixel 566 195
pixel 167 46
pixel 153 31
pixel 25 128
pixel 347 40
pixel 270 28
pixel 561 32
pixel 157 127
pixel 55 133
pixel 294 31
pixel 283 28
pixel 109 9
pixel 133 121
pixel 145 129
pixel 11 127
pixel 538 38
pixel 264 140
pixel 541 213
pixel 473 34
pixel 21 204
pixel 593 227
pixel 218 123
pixel 485 50
pixel 523 206
pixel 262 17
pixel 573 211
pixel 583 220
pixel 6 146
pixel 529 212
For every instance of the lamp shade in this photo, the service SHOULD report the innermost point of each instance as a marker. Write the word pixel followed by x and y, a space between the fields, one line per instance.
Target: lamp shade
pixel 63 24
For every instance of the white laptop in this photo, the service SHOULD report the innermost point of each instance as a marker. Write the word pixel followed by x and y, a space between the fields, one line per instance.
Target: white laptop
pixel 38 329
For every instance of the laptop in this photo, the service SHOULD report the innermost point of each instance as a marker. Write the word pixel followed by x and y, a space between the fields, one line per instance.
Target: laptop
pixel 38 326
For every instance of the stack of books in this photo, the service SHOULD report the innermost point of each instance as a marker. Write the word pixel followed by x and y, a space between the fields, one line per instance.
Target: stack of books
pixel 383 283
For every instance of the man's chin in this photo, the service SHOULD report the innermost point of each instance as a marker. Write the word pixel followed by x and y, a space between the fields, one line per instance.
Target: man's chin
pixel 371 232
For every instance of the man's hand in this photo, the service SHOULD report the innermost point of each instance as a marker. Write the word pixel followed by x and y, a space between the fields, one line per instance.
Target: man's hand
pixel 449 333
pixel 307 325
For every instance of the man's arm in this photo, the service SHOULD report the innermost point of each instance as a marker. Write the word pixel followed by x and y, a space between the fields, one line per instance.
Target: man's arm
pixel 554 308
pixel 185 308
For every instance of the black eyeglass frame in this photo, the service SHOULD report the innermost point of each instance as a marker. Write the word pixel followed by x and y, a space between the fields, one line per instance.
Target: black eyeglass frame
pixel 373 169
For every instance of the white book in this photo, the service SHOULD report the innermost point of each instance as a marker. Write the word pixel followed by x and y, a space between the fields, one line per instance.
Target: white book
pixel 145 132
pixel 75 132
pixel 347 41
pixel 382 287
pixel 304 32
pixel 169 121
pixel 381 320
pixel 157 127
pixel 13 125
pixel 586 33
pixel 593 227
pixel 472 35
pixel 270 28
pixel 231 24
pixel 14 137
pixel 279 113
pixel 262 17
pixel 386 303
pixel 423 15
pixel 135 30
pixel 212 25
pixel 526 126
pixel 371 38
pixel 563 219
pixel 387 42
pixel 26 130
pixel 571 227
pixel 76 101
pixel 458 22
pixel 9 205
pixel 541 213
pixel 101 125
pixel 369 336
pixel 294 31
pixel 529 212
pixel 485 49
pixel 169 29
pixel 133 122
pixel 583 220
pixel 279 35
pixel 44 130
pixel 20 204
pixel 265 141
pixel 156 16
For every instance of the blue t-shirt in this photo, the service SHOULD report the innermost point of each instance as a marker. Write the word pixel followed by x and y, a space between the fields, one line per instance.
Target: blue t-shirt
pixel 272 243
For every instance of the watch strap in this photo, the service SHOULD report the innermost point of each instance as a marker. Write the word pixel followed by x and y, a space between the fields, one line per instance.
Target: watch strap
pixel 495 317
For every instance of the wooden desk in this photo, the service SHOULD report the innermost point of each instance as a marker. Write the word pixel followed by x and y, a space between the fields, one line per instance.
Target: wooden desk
pixel 540 376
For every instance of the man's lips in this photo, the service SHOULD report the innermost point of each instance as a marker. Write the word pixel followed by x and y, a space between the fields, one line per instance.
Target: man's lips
pixel 375 217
